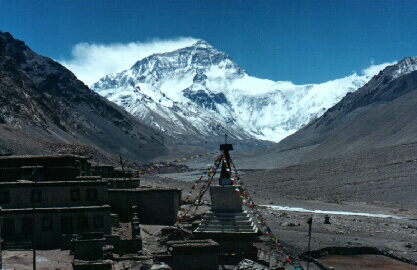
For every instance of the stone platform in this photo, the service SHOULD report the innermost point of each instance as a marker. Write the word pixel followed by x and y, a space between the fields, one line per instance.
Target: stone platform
pixel 238 222
pixel 227 223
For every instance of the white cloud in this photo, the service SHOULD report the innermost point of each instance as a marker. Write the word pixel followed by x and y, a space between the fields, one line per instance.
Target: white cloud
pixel 90 62
pixel 373 70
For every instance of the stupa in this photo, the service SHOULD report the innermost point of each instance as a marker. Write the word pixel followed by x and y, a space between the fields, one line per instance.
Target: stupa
pixel 227 223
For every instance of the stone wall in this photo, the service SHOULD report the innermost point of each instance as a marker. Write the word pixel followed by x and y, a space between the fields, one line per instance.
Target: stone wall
pixel 225 199
pixel 194 254
pixel 104 171
pixel 15 195
pixel 89 249
pixel 154 205
pixel 52 223
pixel 50 168
pixel 121 183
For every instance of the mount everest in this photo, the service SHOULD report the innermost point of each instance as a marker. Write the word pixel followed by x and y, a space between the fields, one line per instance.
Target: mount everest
pixel 198 93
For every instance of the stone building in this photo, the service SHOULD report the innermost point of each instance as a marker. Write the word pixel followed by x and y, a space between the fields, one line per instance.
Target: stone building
pixel 49 168
pixel 105 171
pixel 26 194
pixel 191 254
pixel 69 201
pixel 53 225
pixel 64 204
pixel 154 205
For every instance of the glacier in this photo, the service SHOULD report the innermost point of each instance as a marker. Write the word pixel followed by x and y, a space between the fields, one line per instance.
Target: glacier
pixel 197 93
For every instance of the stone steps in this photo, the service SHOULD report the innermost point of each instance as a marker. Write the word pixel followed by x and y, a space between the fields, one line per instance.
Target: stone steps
pixel 237 222
pixel 222 230
pixel 227 222
pixel 225 225
pixel 227 229
pixel 229 214
pixel 226 218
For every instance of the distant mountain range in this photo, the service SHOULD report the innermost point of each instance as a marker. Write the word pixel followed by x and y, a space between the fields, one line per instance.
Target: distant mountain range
pixel 363 149
pixel 192 97
pixel 45 109
pixel 381 114
pixel 198 93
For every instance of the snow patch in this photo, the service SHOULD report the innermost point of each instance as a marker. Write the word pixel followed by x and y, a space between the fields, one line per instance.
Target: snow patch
pixel 296 209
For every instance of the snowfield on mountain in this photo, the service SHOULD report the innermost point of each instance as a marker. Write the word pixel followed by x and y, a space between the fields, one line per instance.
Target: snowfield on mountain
pixel 199 93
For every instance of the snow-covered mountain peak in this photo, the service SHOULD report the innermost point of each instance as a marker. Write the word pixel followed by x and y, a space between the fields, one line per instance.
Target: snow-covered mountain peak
pixel 202 44
pixel 405 66
pixel 199 92
pixel 200 55
pixel 197 63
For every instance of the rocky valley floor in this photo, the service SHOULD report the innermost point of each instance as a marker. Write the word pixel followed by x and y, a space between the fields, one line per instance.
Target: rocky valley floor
pixel 396 235
pixel 377 182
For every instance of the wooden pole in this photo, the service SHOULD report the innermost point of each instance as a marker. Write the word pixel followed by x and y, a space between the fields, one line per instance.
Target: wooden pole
pixel 33 238
pixel 34 177
pixel 310 221
pixel 1 251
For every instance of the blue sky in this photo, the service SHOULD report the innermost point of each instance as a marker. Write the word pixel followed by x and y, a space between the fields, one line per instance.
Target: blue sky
pixel 298 41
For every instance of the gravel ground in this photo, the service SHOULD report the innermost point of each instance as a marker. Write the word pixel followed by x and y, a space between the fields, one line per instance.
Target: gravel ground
pixel 381 181
pixel 397 236
pixel 45 259
pixel 364 262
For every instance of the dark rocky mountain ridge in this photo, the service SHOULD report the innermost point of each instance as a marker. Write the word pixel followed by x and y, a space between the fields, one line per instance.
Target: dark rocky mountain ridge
pixel 362 151
pixel 380 114
pixel 42 100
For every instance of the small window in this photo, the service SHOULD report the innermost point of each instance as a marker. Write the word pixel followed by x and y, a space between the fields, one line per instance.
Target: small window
pixel 36 196
pixel 75 195
pixel 83 222
pixel 98 222
pixel 92 194
pixel 4 197
pixel 47 223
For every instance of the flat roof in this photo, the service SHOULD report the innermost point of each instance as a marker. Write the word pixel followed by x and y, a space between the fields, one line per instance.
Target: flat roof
pixel 193 243
pixel 123 179
pixel 43 156
pixel 53 183
pixel 57 209
pixel 144 188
